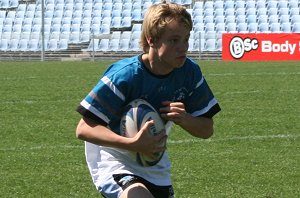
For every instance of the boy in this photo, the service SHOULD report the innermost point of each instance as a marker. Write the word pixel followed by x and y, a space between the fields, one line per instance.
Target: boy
pixel 168 80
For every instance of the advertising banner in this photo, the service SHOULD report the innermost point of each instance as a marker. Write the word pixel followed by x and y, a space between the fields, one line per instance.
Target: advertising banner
pixel 261 46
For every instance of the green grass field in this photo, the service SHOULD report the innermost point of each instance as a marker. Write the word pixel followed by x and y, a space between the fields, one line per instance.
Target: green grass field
pixel 254 153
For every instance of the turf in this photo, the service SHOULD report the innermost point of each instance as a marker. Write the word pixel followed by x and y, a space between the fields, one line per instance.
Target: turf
pixel 255 151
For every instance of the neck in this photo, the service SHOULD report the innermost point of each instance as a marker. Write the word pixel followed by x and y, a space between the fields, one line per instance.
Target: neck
pixel 155 65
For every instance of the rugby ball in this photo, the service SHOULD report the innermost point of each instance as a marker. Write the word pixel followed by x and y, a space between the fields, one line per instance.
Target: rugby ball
pixel 137 113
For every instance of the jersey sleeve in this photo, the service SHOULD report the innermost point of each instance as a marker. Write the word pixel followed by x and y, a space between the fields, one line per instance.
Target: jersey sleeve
pixel 104 104
pixel 201 101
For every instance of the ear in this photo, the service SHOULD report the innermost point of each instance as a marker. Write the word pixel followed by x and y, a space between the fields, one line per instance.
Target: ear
pixel 150 42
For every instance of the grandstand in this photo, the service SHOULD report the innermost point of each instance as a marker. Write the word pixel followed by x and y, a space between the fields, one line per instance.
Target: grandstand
pixel 85 29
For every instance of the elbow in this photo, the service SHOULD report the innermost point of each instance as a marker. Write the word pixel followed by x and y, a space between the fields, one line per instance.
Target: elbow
pixel 207 134
pixel 80 131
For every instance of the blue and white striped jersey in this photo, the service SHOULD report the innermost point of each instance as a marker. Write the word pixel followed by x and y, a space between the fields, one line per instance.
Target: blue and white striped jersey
pixel 125 81
pixel 129 79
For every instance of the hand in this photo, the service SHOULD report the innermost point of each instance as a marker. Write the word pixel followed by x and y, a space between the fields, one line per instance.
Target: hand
pixel 147 144
pixel 173 111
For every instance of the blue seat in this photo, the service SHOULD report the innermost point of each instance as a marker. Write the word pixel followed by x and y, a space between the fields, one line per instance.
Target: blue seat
pixel 250 4
pixel 219 45
pixel 296 27
pixel 239 4
pixel 273 19
pixel 282 4
pixel 23 45
pixel 251 19
pixel 231 27
pixel 293 4
pixel 286 27
pixel 134 45
pixel 210 45
pixel 271 4
pixel 242 27
pixel 262 19
pixel 124 44
pixel 295 19
pixel 263 27
pixel 229 4
pixel 252 27
pixel 284 18
pixel 33 45
pixel 209 27
pixel 275 27
pixel 4 44
pixel 13 45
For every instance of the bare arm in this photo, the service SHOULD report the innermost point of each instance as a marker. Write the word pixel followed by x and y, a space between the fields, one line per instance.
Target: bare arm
pixel 90 131
pixel 197 126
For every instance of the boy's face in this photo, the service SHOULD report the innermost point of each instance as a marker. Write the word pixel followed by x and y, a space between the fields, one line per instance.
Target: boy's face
pixel 172 46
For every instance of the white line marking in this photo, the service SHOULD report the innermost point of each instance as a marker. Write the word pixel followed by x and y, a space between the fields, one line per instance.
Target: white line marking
pixel 185 141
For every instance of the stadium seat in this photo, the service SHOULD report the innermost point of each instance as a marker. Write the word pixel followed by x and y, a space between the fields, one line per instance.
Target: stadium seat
pixel 198 5
pixel 220 27
pixel 283 11
pixel 293 4
pixel 103 45
pixel 282 4
pixel 275 28
pixel 33 45
pixel 242 27
pixel 273 19
pixel 294 11
pixel 239 4
pixel 296 27
pixel 62 44
pixel 23 45
pixel 229 12
pixel 208 12
pixel 197 12
pixel 272 11
pixel 51 45
pixel 134 45
pixel 261 11
pixel 262 19
pixel 208 19
pixel 231 27
pixel 219 45
pixel 284 18
pixel 285 27
pixel 219 12
pixel 210 45
pixel 271 4
pixel 209 27
pixel 93 45
pixel 250 4
pixel 240 12
pixel 251 19
pixel 252 27
pixel 124 44
pixel 13 45
pixel 250 11
pixel 114 45
pixel 240 19
pixel 105 29
pixel 4 4
pixel 228 4
pixel 263 27
pixel 295 19
pixel 116 22
pixel 260 4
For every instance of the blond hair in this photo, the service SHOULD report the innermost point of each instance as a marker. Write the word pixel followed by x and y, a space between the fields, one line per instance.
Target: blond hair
pixel 158 16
